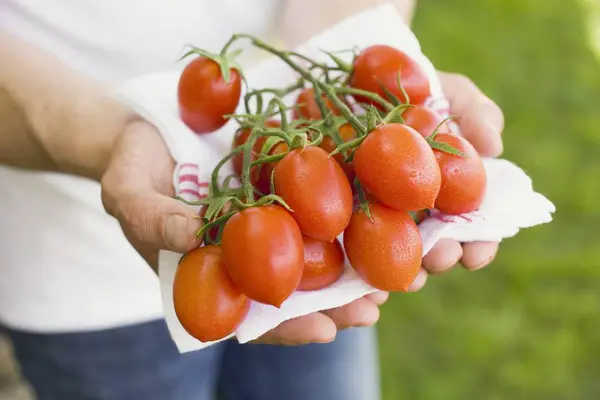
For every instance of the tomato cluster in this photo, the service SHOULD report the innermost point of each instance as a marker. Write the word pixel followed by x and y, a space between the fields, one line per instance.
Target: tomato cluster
pixel 359 155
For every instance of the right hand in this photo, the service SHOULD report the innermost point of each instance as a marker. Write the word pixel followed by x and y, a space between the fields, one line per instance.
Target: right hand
pixel 137 190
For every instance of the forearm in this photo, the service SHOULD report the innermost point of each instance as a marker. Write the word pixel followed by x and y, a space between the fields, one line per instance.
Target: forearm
pixel 52 117
pixel 303 19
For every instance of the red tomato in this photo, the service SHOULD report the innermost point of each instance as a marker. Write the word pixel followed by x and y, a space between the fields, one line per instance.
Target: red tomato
pixel 347 133
pixel 308 107
pixel 464 180
pixel 379 65
pixel 323 263
pixel 204 96
pixel 386 252
pixel 317 190
pixel 397 165
pixel 240 138
pixel 207 303
pixel 424 120
pixel 264 253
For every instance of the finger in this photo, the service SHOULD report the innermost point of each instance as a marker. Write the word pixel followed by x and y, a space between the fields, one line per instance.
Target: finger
pixel 361 312
pixel 159 221
pixel 477 255
pixel 443 256
pixel 312 328
pixel 419 281
pixel 481 120
pixel 378 298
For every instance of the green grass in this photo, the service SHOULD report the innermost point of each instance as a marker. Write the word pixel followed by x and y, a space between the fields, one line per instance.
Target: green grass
pixel 527 327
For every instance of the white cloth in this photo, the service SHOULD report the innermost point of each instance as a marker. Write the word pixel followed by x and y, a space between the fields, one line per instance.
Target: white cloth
pixel 510 204
pixel 64 263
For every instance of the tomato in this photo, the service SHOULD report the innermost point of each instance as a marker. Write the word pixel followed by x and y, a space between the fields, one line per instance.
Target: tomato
pixel 307 107
pixel 240 138
pixel 386 252
pixel 347 133
pixel 464 180
pixel 204 96
pixel 379 65
pixel 424 120
pixel 323 263
pixel 317 190
pixel 397 165
pixel 264 253
pixel 207 303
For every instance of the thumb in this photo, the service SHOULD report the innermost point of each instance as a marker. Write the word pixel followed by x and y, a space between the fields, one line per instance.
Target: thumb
pixel 158 221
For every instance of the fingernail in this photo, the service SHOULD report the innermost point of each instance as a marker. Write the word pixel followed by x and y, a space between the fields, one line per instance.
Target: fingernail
pixel 176 233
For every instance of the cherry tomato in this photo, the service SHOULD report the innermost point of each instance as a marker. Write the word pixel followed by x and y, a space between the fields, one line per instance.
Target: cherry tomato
pixel 264 253
pixel 204 96
pixel 424 120
pixel 397 165
pixel 323 263
pixel 207 303
pixel 308 108
pixel 387 251
pixel 464 180
pixel 317 190
pixel 241 137
pixel 379 65
pixel 347 133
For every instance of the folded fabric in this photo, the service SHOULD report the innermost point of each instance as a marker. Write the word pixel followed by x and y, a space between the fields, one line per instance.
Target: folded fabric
pixel 510 205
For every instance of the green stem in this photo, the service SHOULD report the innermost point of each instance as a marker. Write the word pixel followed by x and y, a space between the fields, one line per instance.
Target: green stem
pixel 329 91
pixel 246 184
pixel 214 178
pixel 366 94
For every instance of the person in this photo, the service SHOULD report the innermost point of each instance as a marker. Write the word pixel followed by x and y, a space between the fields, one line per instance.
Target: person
pixel 86 203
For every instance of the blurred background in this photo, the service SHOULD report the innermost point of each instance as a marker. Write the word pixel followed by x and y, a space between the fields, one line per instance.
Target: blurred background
pixel 528 326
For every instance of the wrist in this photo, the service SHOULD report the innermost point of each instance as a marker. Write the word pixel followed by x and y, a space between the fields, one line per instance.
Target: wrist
pixel 79 129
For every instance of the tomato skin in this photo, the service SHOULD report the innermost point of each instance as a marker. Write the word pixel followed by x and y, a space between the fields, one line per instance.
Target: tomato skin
pixel 464 180
pixel 317 190
pixel 240 138
pixel 347 133
pixel 396 164
pixel 380 64
pixel 207 303
pixel 204 96
pixel 307 107
pixel 387 252
pixel 424 120
pixel 323 263
pixel 264 253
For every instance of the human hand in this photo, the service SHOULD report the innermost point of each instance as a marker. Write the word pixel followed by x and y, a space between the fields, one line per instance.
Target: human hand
pixel 481 123
pixel 137 190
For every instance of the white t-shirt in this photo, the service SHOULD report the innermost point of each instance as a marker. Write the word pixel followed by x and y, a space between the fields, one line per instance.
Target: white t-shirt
pixel 64 263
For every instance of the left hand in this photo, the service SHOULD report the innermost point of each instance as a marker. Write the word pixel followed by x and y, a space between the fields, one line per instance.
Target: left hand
pixel 481 123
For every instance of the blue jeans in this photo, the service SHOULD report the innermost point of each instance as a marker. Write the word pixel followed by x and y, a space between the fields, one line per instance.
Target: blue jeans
pixel 141 362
